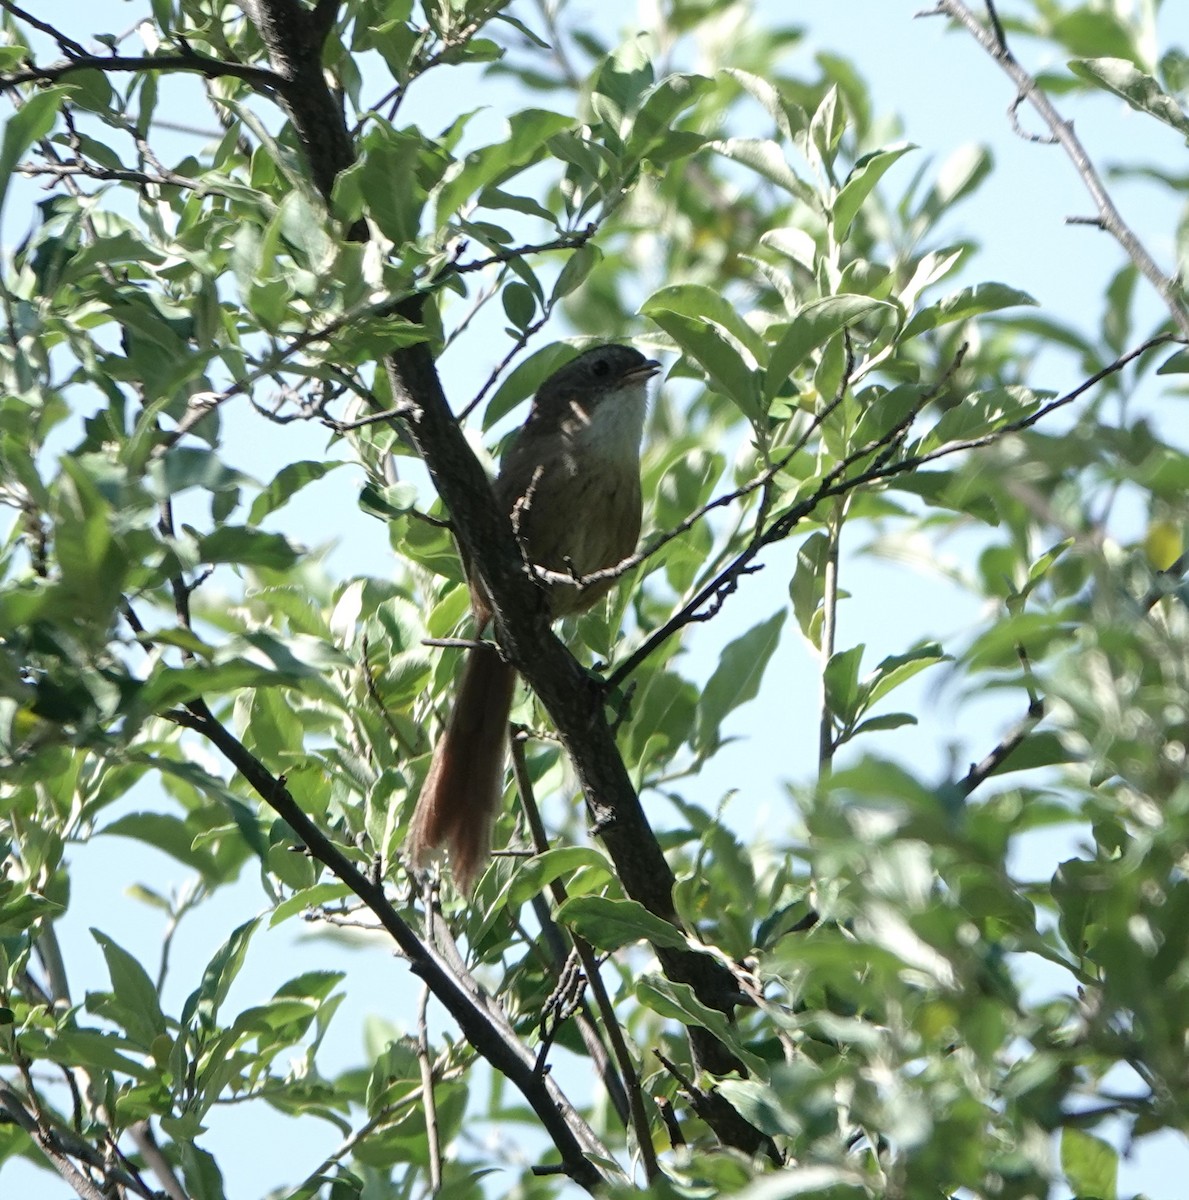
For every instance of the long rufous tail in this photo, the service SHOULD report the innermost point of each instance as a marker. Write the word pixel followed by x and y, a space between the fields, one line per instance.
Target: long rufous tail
pixel 461 798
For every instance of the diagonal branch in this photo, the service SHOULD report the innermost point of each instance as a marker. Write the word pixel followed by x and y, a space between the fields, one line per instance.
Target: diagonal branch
pixel 482 1024
pixel 67 45
pixel 994 42
pixel 839 481
pixel 191 60
pixel 573 700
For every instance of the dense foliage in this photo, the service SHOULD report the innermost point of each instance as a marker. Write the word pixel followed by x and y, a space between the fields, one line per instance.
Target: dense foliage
pixel 836 1004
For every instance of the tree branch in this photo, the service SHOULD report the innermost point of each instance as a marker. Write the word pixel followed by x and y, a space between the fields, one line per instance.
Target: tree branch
pixel 839 482
pixel 192 61
pixel 628 1080
pixel 60 1153
pixel 572 699
pixel 483 1024
pixel 994 42
pixel 67 45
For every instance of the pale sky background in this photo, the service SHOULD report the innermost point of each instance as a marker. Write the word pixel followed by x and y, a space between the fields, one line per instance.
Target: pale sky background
pixel 948 93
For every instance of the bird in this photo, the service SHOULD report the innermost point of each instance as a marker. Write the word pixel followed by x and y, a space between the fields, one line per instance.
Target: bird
pixel 570 484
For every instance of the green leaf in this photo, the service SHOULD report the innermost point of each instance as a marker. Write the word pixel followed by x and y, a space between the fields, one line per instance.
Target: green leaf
pixel 535 874
pixel 1090 31
pixel 520 304
pixel 528 131
pixel 288 481
pixel 166 833
pixel 1040 568
pixel 899 668
pixel 19 911
pixel 387 503
pixel 701 302
pixel 189 466
pixel 102 1051
pixel 860 184
pixel 310 898
pixel 220 973
pixel 1175 364
pixel 31 121
pixel 137 1007
pixel 882 723
pixel 969 302
pixel 841 676
pixel 767 159
pixel 807 586
pixel 811 328
pixel 1043 749
pixel 951 490
pixel 726 358
pixel 760 1105
pixel 980 413
pixel 390 180
pixel 524 380
pixel 827 125
pixel 789 119
pixel 246 547
pixel 678 1002
pixel 204 1180
pixel 1091 1165
pixel 1139 89
pixel 168 686
pixel 661 106
pixel 578 266
pixel 737 677
pixel 958 177
pixel 610 924
pixel 622 81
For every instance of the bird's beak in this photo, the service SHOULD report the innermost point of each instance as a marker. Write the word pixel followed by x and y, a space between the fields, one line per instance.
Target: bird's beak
pixel 645 371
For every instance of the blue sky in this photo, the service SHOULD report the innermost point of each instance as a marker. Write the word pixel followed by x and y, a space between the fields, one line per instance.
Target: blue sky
pixel 947 94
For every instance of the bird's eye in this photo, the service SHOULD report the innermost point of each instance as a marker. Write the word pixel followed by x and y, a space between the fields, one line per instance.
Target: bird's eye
pixel 602 367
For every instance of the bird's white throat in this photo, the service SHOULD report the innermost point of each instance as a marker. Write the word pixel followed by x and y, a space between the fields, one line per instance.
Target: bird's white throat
pixel 614 430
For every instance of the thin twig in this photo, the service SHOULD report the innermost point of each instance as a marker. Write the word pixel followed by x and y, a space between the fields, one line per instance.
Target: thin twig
pixel 825 748
pixel 522 339
pixel 1008 745
pixel 67 45
pixel 213 68
pixel 428 1102
pixel 838 482
pixel 106 174
pixel 629 1078
pixel 146 1143
pixel 994 42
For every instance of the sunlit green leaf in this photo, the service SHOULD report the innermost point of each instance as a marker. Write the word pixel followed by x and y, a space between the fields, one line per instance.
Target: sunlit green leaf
pixel 810 329
pixel 860 184
pixel 1091 1165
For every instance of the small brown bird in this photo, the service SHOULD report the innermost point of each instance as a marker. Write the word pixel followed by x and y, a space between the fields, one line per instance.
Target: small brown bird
pixel 570 480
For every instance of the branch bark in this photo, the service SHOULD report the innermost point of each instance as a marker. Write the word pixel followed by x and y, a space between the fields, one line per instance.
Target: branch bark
pixel 192 61
pixel 483 1025
pixel 573 700
pixel 992 39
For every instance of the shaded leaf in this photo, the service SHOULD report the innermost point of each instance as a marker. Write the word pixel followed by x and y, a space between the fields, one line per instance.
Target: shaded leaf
pixel 811 328
pixel 610 924
pixel 288 481
pixel 737 677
